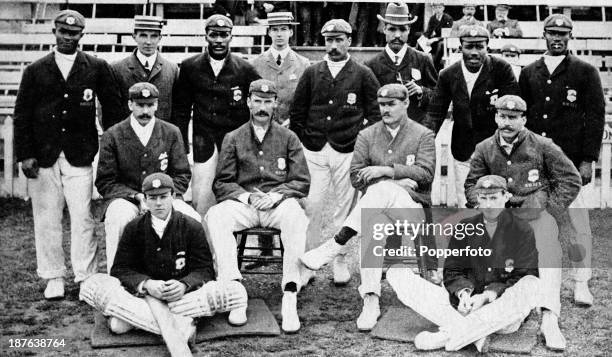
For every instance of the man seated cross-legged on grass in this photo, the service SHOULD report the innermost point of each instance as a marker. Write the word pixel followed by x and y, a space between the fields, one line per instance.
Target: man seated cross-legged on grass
pixel 164 254
pixel 484 294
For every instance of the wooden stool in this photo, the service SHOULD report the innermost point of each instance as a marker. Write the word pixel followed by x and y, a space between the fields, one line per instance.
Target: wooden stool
pixel 241 239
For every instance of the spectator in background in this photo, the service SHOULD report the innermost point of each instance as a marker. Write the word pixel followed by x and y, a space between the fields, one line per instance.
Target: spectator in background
pixel 512 54
pixel 147 65
pixel 363 18
pixel 311 17
pixel 468 19
pixel 502 26
pixel 437 22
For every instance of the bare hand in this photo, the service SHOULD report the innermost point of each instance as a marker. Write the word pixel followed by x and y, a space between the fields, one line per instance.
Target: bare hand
pixel 367 174
pixel 465 303
pixel 407 182
pixel 30 168
pixel 586 172
pixel 155 288
pixel 499 32
pixel 413 89
pixel 268 7
pixel 264 203
pixel 478 301
pixel 173 290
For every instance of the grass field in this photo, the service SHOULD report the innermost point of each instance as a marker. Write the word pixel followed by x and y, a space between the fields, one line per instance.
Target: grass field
pixel 327 313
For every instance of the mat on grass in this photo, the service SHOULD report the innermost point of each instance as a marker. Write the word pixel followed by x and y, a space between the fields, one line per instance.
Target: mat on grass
pixel 403 324
pixel 261 322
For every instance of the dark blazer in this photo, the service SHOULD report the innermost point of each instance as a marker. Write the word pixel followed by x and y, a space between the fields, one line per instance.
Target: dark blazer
pixel 164 74
pixel 219 103
pixel 574 115
pixel 124 162
pixel 513 256
pixel 414 63
pixel 54 115
pixel 182 253
pixel 434 27
pixel 474 117
pixel 327 109
pixel 277 164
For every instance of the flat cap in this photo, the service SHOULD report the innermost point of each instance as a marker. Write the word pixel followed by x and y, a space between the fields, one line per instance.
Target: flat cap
pixel 157 183
pixel 335 27
pixel 512 103
pixel 392 91
pixel 490 184
pixel 263 88
pixel 150 23
pixel 143 92
pixel 510 48
pixel 219 22
pixel 558 22
pixel 70 19
pixel 473 33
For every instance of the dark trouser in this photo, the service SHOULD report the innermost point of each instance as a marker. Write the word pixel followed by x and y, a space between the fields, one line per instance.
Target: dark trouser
pixel 311 22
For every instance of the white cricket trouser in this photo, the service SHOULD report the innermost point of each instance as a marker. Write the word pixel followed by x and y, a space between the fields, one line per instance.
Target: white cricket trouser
pixel 383 195
pixel 550 255
pixel 55 186
pixel 462 169
pixel 120 212
pixel 230 216
pixel 582 236
pixel 329 175
pixel 504 315
pixel 203 175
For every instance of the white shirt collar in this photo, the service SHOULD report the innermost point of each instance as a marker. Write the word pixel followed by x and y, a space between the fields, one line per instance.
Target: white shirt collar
pixel 283 53
pixel 64 56
pixel 393 132
pixel 399 54
pixel 336 67
pixel 552 62
pixel 159 225
pixel 470 78
pixel 216 65
pixel 150 59
pixel 260 132
pixel 142 132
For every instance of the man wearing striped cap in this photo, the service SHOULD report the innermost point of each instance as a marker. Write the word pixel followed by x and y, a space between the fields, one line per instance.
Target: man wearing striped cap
pixel 145 64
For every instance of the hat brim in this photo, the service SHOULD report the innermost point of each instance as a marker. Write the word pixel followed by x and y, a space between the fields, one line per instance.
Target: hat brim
pixel 158 191
pixel 334 34
pixel 290 23
pixel 473 39
pixel 511 111
pixel 556 28
pixel 264 94
pixel 144 100
pixel 398 22
pixel 69 27
pixel 218 28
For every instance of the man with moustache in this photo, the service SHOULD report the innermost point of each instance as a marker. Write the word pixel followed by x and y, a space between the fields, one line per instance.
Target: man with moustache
pixel 542 180
pixel 437 22
pixel 334 99
pixel 130 151
pixel 472 85
pixel 146 64
pixel 56 140
pixel 565 102
pixel 502 26
pixel 468 19
pixel 261 177
pixel 394 164
pixel 399 63
pixel 212 84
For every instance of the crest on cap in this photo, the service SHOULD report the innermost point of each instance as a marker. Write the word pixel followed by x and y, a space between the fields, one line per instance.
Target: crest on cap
pixel 220 22
pixel 145 93
pixel 510 104
pixel 473 32
pixel 156 183
pixel 513 49
pixel 330 28
pixel 559 22
pixel 486 183
pixel 384 92
pixel 70 20
pixel 264 88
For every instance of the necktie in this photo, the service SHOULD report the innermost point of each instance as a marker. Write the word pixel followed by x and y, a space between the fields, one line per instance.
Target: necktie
pixel 279 60
pixel 397 60
pixel 146 66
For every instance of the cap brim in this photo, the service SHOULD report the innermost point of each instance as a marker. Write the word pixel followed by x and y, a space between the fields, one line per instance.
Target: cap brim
pixel 144 100
pixel 489 190
pixel 69 27
pixel 218 28
pixel 158 191
pixel 264 94
pixel 511 111
pixel 282 23
pixel 398 23
pixel 334 34
pixel 556 28
pixel 473 39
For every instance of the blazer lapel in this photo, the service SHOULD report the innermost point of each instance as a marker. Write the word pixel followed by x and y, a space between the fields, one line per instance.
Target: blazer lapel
pixel 79 64
pixel 461 83
pixel 53 68
pixel 157 66
pixel 484 73
pixel 325 72
pixel 347 70
pixel 136 68
pixel 562 67
pixel 288 61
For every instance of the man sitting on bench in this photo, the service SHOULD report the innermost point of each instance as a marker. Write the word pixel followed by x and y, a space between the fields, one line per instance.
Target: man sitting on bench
pixel 261 175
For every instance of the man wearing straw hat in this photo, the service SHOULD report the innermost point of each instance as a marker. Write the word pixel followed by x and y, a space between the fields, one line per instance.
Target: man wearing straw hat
pixel 398 63
pixel 146 64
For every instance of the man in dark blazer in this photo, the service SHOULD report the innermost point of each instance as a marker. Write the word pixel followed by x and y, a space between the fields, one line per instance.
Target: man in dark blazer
pixel 334 99
pixel 472 85
pixel 438 21
pixel 399 63
pixel 565 102
pixel 56 140
pixel 214 84
pixel 491 282
pixel 146 64
pixel 131 150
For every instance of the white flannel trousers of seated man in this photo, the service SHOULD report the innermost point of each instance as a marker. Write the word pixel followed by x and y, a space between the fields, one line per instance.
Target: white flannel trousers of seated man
pixel 503 316
pixel 231 216
pixel 384 196
pixel 120 212
pixel 105 294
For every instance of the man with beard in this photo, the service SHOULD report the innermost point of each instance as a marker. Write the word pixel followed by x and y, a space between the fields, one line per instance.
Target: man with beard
pixel 393 163
pixel 468 19
pixel 472 85
pixel 565 102
pixel 213 84
pixel 261 177
pixel 399 63
pixel 542 180
pixel 130 151
pixel 333 100
pixel 437 22
pixel 146 64
pixel 56 140
pixel 502 26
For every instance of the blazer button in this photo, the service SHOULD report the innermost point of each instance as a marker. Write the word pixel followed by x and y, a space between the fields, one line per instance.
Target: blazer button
pixel 145 155
pixel 509 162
pixel 261 168
pixel 510 179
pixel 260 153
pixel 390 151
pixel 331 102
pixel 547 99
pixel 545 116
pixel 488 269
pixel 63 129
pixel 543 133
pixel 144 172
pixel 549 81
pixel 159 249
pixel 65 95
pixel 64 112
pixel 328 118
